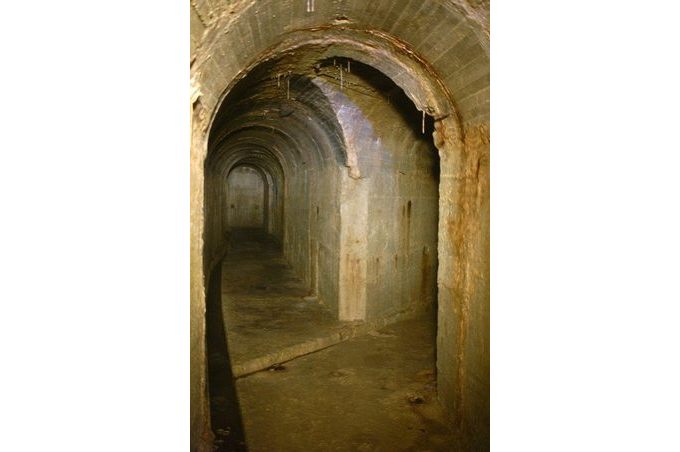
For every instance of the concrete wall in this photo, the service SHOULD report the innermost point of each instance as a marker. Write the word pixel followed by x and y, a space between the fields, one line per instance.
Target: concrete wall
pixel 390 207
pixel 296 243
pixel 384 205
pixel 311 237
pixel 403 216
pixel 245 198
pixel 312 203
pixel 324 233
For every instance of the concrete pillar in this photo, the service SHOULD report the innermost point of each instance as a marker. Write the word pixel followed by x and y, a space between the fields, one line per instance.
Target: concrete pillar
pixel 353 248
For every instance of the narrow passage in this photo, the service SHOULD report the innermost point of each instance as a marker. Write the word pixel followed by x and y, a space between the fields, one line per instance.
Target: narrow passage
pixel 371 391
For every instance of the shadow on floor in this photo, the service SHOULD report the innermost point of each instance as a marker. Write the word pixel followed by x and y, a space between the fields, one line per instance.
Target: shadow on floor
pixel 225 412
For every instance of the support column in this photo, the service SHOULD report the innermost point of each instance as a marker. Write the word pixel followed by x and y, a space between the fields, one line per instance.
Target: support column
pixel 353 248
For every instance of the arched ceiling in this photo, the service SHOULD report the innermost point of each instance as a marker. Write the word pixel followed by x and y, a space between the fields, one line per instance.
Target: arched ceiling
pixel 277 115
pixel 448 38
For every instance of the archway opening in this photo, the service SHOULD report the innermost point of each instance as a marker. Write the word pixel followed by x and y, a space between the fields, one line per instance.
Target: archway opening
pixel 356 170
pixel 247 192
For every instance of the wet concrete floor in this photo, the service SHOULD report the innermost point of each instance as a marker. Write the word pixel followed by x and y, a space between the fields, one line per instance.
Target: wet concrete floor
pixel 375 392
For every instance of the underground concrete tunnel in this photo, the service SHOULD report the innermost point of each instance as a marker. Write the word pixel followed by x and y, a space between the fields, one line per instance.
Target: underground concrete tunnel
pixel 344 207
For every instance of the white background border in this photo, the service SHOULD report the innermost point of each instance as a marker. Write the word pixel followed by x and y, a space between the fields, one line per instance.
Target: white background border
pixel 94 239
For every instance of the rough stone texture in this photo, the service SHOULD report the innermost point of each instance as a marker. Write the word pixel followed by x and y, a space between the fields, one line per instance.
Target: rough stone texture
pixel 463 320
pixel 437 52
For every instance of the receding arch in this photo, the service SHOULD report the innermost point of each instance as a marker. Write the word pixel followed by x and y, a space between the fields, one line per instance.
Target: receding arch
pixel 416 80
pixel 439 82
pixel 419 84
pixel 247 197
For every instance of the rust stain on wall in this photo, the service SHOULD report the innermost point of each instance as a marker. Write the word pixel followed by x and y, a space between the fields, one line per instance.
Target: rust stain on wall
pixel 464 230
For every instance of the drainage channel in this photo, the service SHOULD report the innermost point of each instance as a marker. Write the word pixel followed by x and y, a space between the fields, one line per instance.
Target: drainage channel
pixel 225 412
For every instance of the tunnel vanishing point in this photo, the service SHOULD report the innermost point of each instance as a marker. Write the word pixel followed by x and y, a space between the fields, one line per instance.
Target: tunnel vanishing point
pixel 353 134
